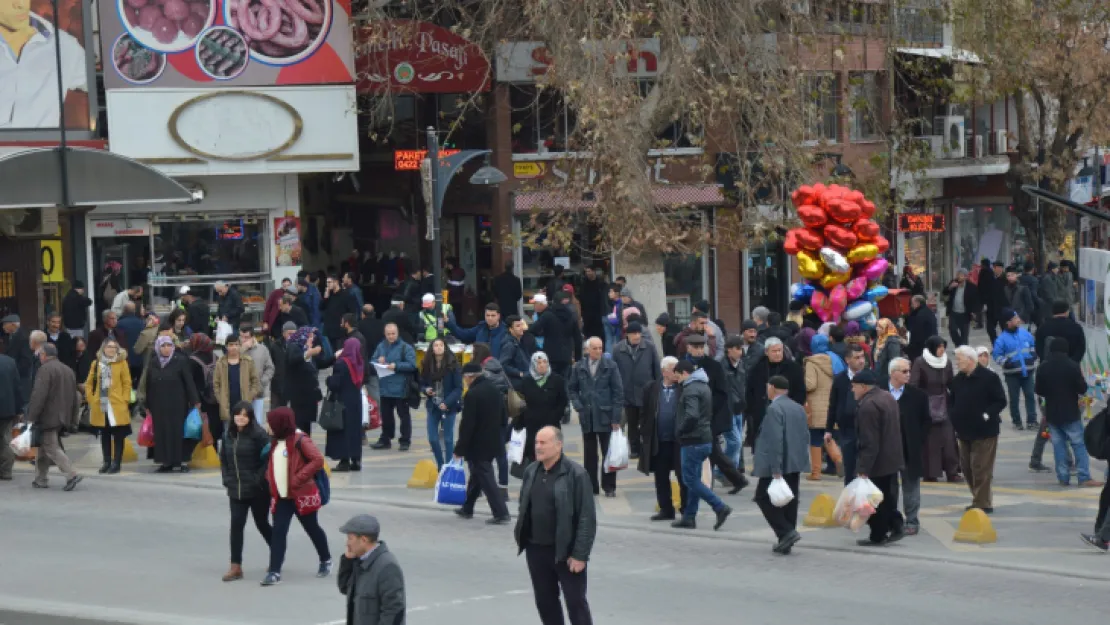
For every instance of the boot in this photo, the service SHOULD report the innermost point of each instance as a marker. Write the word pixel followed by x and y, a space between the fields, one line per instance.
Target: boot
pixel 104 467
pixel 112 470
pixel 234 573
pixel 814 464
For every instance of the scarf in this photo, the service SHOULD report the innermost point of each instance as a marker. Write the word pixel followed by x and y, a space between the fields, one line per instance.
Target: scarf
pixel 164 360
pixel 105 371
pixel 540 379
pixel 885 329
pixel 805 341
pixel 300 337
pixel 935 362
pixel 200 344
pixel 356 364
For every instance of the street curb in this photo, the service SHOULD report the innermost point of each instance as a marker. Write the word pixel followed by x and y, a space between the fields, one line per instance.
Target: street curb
pixel 892 553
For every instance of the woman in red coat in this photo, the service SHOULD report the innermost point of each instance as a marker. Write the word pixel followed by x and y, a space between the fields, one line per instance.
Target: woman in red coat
pixel 294 461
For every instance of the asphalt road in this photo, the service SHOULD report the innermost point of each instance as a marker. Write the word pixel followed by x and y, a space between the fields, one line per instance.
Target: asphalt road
pixel 153 553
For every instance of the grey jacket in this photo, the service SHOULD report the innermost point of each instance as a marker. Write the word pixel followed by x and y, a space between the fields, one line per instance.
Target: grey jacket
pixel 718 339
pixel 639 367
pixel 575 516
pixel 783 444
pixel 263 365
pixel 375 588
pixel 695 411
pixel 597 399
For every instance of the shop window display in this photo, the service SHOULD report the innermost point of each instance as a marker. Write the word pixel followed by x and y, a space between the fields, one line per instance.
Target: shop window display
pixel 990 232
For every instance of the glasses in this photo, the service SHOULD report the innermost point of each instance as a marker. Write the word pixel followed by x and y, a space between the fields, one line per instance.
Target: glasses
pixel 901 370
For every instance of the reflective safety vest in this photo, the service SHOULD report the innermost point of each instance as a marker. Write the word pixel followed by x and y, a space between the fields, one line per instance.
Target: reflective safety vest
pixel 431 332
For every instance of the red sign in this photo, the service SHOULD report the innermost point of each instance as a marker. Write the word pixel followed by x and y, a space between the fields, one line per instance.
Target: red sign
pixel 399 56
pixel 917 222
pixel 409 160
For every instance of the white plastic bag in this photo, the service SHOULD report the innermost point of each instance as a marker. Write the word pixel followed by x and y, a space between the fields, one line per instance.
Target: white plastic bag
pixel 617 458
pixel 779 492
pixel 516 446
pixel 21 445
pixel 223 330
pixel 365 408
pixel 857 503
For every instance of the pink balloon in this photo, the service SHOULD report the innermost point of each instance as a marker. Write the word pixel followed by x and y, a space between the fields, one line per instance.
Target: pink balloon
pixel 838 301
pixel 874 269
pixel 856 288
pixel 820 304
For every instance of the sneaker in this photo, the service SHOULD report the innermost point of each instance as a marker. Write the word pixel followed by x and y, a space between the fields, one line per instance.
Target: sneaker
pixel 72 483
pixel 685 523
pixel 1038 467
pixel 663 516
pixel 324 570
pixel 1018 427
pixel 271 579
pixel 722 516
pixel 1095 542
pixel 38 485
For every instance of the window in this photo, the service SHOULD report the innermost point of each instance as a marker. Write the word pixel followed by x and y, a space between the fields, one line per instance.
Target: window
pixel 683 132
pixel 541 121
pixel 212 247
pixel 820 96
pixel 866 106
pixel 462 116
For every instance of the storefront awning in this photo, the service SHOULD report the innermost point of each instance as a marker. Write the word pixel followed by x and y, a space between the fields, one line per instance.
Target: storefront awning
pixel 665 196
pixel 32 178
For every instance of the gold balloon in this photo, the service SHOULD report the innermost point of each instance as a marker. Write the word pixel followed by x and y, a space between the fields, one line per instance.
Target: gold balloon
pixel 833 279
pixel 810 266
pixel 863 253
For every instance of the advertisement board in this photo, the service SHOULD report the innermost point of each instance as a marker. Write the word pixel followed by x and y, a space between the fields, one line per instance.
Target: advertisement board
pixel 404 56
pixel 29 65
pixel 226 43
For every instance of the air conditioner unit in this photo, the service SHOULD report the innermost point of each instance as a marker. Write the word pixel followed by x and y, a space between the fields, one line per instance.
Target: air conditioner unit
pixel 30 223
pixel 1001 142
pixel 977 146
pixel 951 127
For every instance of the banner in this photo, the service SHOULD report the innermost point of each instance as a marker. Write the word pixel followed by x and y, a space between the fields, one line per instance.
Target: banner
pixel 226 43
pixel 287 241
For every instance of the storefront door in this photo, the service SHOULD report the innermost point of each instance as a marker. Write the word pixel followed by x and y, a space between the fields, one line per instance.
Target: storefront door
pixel 768 277
pixel 119 262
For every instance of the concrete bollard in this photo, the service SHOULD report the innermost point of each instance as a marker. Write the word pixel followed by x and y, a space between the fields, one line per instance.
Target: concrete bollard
pixel 821 512
pixel 129 453
pixel 424 474
pixel 976 528
pixel 204 458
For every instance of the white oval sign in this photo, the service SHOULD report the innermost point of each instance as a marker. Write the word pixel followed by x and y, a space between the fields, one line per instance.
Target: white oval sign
pixel 235 126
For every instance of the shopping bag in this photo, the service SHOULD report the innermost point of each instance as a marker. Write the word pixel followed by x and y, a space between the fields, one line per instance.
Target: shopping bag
pixel 331 414
pixel 206 439
pixel 223 330
pixel 194 426
pixel 516 404
pixel 779 492
pixel 834 451
pixel 451 485
pixel 617 458
pixel 371 415
pixel 21 444
pixel 146 432
pixel 516 445
pixel 857 503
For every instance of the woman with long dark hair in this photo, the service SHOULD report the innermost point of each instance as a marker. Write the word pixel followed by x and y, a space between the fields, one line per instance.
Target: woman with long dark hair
pixel 441 379
pixel 345 382
pixel 302 386
pixel 108 393
pixel 243 460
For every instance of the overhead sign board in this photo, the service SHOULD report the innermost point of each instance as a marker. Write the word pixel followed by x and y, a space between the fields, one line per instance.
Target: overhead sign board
pixel 917 222
pixel 134 227
pixel 404 56
pixel 524 61
pixel 409 160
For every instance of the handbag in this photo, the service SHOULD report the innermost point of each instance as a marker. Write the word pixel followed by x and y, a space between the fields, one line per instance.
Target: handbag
pixel 516 404
pixel 938 408
pixel 413 394
pixel 331 414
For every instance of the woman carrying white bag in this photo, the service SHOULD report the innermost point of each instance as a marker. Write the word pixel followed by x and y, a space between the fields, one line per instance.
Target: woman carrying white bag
pixel 781 456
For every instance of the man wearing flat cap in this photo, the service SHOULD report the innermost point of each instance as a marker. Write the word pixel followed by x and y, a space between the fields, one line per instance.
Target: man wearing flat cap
pixel 370 576
pixel 879 455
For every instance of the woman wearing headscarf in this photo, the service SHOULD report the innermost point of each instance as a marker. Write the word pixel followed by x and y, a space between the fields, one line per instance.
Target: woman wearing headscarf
pixel 931 373
pixel 820 369
pixel 888 346
pixel 302 386
pixel 344 383
pixel 202 366
pixel 108 393
pixel 441 380
pixel 169 393
pixel 545 398
pixel 291 476
pixel 853 335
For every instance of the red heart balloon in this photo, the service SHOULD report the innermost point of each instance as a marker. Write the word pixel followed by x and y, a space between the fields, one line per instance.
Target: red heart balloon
pixel 865 229
pixel 802 195
pixel 854 196
pixel 812 216
pixel 882 244
pixel 808 239
pixel 840 237
pixel 790 243
pixel 868 208
pixel 843 211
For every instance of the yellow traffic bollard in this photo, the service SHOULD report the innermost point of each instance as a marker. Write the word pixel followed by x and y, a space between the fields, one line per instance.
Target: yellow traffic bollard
pixel 821 512
pixel 204 458
pixel 424 475
pixel 975 527
pixel 676 497
pixel 129 454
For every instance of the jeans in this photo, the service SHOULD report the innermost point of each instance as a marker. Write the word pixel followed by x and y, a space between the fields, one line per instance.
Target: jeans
pixel 259 508
pixel 1064 436
pixel 437 418
pixel 848 450
pixel 733 449
pixel 284 511
pixel 911 498
pixel 610 335
pixel 1039 443
pixel 1018 384
pixel 259 407
pixel 389 423
pixel 548 578
pixel 693 457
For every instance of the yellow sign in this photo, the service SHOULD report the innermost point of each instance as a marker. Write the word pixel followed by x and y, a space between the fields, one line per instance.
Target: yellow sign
pixel 528 170
pixel 51 262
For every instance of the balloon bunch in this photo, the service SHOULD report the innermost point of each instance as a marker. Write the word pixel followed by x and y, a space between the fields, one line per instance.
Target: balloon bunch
pixel 839 254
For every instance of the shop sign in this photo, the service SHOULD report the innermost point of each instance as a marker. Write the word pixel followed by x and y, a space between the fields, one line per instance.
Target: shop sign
pixel 51 260
pixel 28 91
pixel 226 43
pixel 287 241
pixel 659 171
pixel 409 160
pixel 418 57
pixel 134 227
pixel 920 222
pixel 528 169
pixel 523 61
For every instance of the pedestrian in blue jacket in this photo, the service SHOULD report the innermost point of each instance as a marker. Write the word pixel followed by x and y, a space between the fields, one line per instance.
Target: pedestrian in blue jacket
pixel 1015 350
pixel 492 332
pixel 399 358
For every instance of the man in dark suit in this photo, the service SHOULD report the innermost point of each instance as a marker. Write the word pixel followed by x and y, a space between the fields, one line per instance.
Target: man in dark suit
pixel 913 412
pixel 842 410
pixel 961 301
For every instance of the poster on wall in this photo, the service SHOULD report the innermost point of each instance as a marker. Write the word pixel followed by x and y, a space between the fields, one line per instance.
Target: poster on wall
pixel 287 241
pixel 226 43
pixel 29 67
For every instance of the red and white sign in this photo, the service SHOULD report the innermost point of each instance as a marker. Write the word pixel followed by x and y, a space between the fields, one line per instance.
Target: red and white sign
pixel 135 227
pixel 402 56
pixel 523 61
pixel 409 160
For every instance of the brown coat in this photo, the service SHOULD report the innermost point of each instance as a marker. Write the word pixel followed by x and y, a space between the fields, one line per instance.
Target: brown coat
pixel 250 388
pixel 819 383
pixel 54 398
pixel 879 426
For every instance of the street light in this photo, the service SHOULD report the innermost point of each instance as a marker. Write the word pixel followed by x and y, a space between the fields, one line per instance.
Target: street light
pixel 441 171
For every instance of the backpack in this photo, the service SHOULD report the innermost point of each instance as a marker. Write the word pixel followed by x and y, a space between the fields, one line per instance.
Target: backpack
pixel 323 483
pixel 1096 437
pixel 207 394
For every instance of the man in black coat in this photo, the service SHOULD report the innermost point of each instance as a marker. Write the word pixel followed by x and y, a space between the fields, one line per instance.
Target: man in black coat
pixel 913 412
pixel 659 439
pixel 62 341
pixel 961 302
pixel 722 415
pixel 880 455
pixel 562 339
pixel 11 406
pixel 480 443
pixel 1060 382
pixel 1061 326
pixel 337 302
pixel 229 304
pixel 288 311
pixel 921 324
pixel 773 361
pixel 975 401
pixel 508 291
pixel 371 327
pixel 991 282
pixel 75 310
pixel 843 409
pixel 593 296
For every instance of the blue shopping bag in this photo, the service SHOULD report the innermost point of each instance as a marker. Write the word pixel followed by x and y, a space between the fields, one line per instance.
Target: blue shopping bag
pixel 194 425
pixel 451 485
